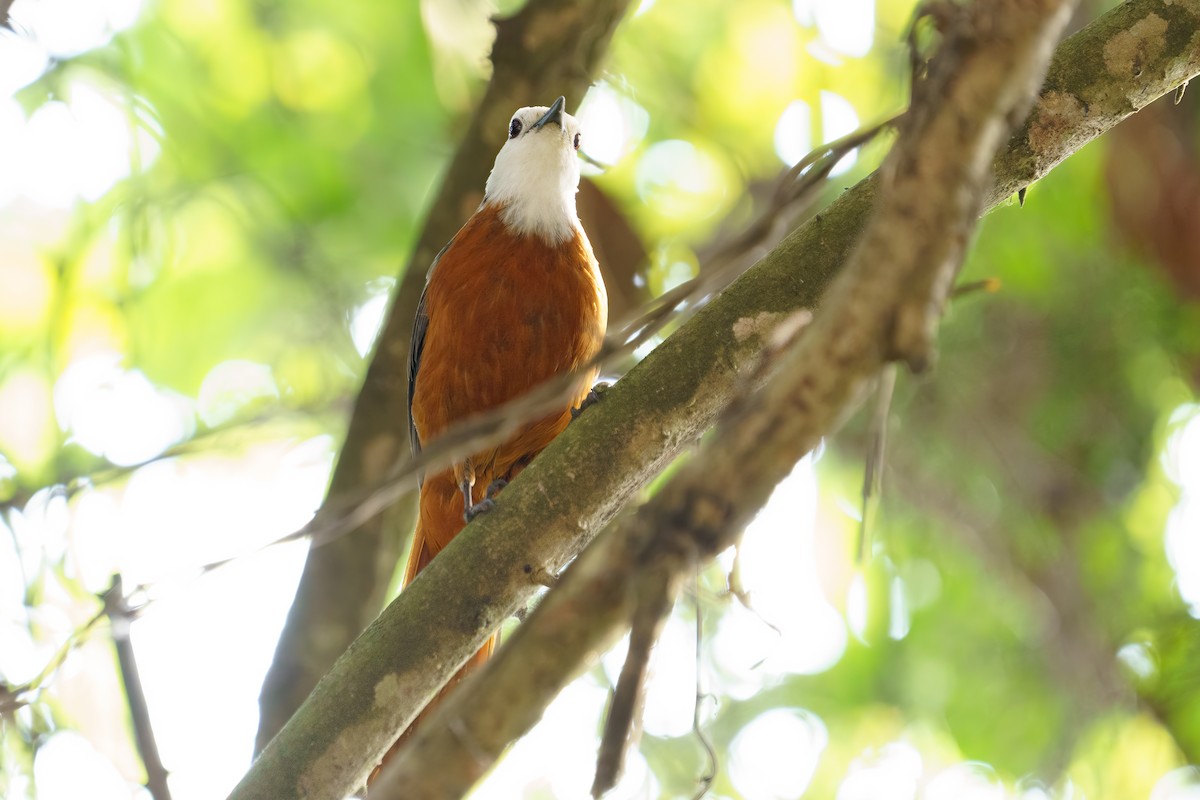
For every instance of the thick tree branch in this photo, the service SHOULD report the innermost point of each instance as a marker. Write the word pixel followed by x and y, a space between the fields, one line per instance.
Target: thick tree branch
pixel 550 47
pixel 546 516
pixel 884 307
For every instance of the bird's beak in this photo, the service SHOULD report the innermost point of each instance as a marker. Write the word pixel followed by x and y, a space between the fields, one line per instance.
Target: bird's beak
pixel 553 115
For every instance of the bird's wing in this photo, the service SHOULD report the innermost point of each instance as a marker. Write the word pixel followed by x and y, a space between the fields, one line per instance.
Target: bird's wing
pixel 416 346
pixel 420 324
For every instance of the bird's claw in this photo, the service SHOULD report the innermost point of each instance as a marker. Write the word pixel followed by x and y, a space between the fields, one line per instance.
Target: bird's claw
pixel 482 507
pixel 487 503
pixel 594 395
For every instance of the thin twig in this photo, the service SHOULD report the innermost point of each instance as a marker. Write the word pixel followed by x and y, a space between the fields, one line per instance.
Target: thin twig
pixel 14 697
pixel 648 620
pixel 121 615
pixel 198 444
pixel 733 582
pixel 706 779
pixel 873 470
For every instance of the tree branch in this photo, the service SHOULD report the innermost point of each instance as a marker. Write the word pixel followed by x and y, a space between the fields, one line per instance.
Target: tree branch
pixel 116 606
pixel 554 508
pixel 884 307
pixel 550 47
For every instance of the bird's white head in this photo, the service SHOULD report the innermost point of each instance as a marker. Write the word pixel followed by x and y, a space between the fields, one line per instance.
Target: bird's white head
pixel 536 174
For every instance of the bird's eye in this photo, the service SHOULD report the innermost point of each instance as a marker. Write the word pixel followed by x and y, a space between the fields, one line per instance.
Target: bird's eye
pixel 577 138
pixel 514 128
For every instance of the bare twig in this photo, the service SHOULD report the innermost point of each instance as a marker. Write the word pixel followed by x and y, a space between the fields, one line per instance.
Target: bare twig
pixel 733 581
pixel 653 608
pixel 69 485
pixel 873 471
pixel 14 697
pixel 712 764
pixel 121 615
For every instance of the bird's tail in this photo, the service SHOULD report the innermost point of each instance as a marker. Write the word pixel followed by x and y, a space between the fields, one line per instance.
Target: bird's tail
pixel 419 558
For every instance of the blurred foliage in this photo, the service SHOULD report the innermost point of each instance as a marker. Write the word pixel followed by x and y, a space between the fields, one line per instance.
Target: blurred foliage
pixel 274 161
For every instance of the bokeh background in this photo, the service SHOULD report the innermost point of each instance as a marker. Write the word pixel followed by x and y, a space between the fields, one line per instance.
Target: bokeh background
pixel 203 206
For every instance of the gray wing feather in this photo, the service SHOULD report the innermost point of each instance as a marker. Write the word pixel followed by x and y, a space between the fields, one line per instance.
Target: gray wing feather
pixel 416 347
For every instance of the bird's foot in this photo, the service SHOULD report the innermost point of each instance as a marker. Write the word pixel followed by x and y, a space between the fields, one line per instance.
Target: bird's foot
pixel 488 502
pixel 482 507
pixel 595 395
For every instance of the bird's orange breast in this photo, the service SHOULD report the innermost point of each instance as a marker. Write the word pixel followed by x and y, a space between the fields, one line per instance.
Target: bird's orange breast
pixel 506 312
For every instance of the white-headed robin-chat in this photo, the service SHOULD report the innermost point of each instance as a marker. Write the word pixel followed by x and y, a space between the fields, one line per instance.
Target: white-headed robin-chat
pixel 513 300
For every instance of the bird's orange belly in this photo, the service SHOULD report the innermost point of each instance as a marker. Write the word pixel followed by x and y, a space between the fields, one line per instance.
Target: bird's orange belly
pixel 497 330
pixel 502 319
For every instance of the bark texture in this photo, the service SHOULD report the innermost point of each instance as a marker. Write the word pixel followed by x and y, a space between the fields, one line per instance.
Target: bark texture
pixel 550 47
pixel 580 482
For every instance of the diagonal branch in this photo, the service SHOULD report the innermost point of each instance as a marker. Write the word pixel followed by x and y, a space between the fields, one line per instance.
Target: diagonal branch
pixel 884 307
pixel 550 47
pixel 116 606
pixel 549 514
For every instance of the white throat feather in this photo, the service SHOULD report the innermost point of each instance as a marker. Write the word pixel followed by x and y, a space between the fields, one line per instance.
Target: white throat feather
pixel 536 176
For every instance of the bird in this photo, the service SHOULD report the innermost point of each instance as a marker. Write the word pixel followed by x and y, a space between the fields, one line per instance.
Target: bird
pixel 514 299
